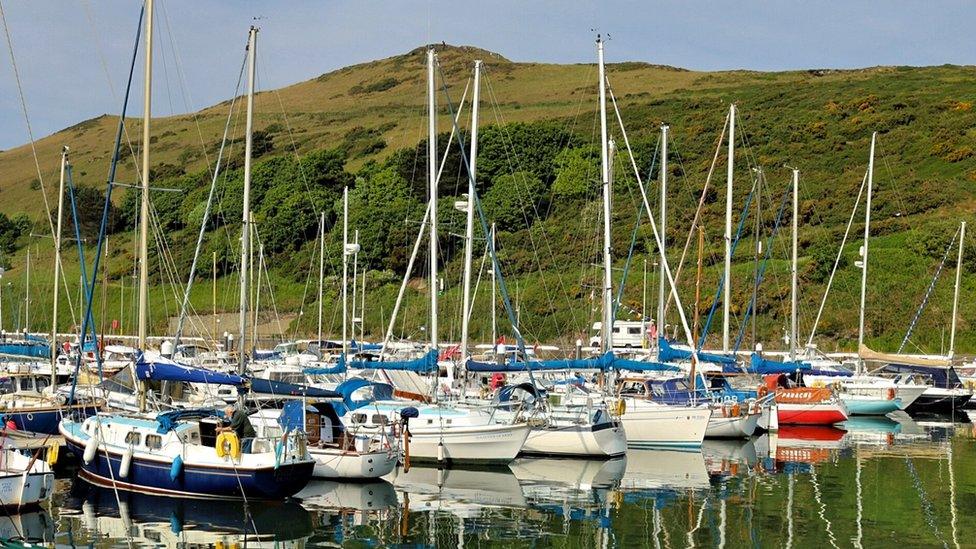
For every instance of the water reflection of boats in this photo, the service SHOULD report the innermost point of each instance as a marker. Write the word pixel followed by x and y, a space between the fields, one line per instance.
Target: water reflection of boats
pixel 176 521
pixel 807 443
pixel 537 475
pixel 874 430
pixel 463 492
pixel 35 527
pixel 348 496
pixel 728 456
pixel 652 469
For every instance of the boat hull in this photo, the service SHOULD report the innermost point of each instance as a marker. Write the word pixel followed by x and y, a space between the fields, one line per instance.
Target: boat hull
pixel 732 427
pixel 45 420
pixel 337 464
pixel 602 440
pixel 810 413
pixel 496 443
pixel 665 426
pixel 22 491
pixel 209 482
pixel 940 401
pixel 870 406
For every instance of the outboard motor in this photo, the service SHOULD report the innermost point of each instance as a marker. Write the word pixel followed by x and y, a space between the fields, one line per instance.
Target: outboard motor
pixel 406 415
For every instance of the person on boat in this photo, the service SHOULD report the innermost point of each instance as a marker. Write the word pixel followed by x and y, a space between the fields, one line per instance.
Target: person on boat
pixel 241 426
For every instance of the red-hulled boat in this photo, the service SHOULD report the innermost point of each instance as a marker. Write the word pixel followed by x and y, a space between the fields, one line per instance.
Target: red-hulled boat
pixel 805 405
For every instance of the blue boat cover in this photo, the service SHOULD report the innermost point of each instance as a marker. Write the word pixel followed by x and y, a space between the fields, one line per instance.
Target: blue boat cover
pixel 164 369
pixel 643 366
pixel 292 415
pixel 380 391
pixel 599 363
pixel 28 349
pixel 760 365
pixel 363 346
pixel 168 420
pixel 337 369
pixel 424 365
pixel 668 353
pixel 280 388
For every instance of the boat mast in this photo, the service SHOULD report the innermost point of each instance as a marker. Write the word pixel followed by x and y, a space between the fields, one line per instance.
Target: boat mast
pixel 432 181
pixel 321 276
pixel 355 282
pixel 793 270
pixel 252 42
pixel 469 223
pixel 661 288
pixel 494 297
pixel 345 271
pixel 864 251
pixel 57 269
pixel 727 286
pixel 144 207
pixel 695 322
pixel 607 324
pixel 955 295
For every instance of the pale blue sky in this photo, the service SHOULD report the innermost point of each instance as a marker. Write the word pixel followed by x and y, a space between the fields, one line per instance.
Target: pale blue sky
pixel 68 49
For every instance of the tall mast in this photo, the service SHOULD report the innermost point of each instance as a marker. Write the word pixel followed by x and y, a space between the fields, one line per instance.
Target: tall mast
pixel 57 268
pixel 661 289
pixel 793 272
pixel 469 224
pixel 432 181
pixel 727 294
pixel 864 249
pixel 607 324
pixel 252 43
pixel 345 270
pixel 144 208
pixel 355 282
pixel 321 275
pixel 494 298
pixel 955 295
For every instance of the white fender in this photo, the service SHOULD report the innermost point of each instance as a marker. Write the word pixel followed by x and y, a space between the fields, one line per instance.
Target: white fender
pixel 126 463
pixel 90 448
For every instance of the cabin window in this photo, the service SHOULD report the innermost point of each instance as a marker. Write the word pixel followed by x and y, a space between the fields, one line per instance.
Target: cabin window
pixel 634 330
pixel 132 438
pixel 194 437
pixel 616 329
pixel 632 388
pixel 658 390
pixel 154 442
pixel 359 418
pixel 379 419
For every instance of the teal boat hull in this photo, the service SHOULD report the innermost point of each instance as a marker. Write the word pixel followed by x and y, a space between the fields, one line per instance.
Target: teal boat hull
pixel 870 407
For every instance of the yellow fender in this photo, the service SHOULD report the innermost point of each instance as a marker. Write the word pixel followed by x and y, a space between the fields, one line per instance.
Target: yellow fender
pixel 52 454
pixel 621 407
pixel 228 445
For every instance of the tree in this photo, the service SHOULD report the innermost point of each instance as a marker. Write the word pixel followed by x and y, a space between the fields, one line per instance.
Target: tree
pixel 576 172
pixel 513 201
pixel 379 208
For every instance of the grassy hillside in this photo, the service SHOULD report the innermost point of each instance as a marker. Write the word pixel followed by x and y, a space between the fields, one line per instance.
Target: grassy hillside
pixel 372 115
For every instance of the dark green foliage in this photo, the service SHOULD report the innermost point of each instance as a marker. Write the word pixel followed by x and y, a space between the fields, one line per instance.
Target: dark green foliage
pixel 514 201
pixel 380 207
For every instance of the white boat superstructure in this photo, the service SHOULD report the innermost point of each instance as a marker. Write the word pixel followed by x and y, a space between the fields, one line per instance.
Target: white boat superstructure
pixel 24 480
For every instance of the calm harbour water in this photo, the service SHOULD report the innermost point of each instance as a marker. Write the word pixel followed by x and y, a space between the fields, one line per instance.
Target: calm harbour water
pixel 877 483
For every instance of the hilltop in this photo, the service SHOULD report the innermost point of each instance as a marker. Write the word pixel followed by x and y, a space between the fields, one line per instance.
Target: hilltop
pixel 363 126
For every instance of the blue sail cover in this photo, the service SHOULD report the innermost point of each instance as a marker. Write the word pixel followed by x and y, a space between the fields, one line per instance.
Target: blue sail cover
pixel 668 353
pixel 363 346
pixel 643 366
pixel 337 369
pixel 760 365
pixel 162 369
pixel 423 365
pixel 600 363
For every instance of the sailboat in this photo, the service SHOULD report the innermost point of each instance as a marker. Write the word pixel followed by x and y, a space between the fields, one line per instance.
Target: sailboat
pixel 177 453
pixel 865 394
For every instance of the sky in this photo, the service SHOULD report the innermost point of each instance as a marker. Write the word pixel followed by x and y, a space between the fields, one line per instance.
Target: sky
pixel 72 55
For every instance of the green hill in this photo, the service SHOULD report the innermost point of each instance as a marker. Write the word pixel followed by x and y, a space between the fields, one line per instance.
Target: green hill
pixel 364 126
